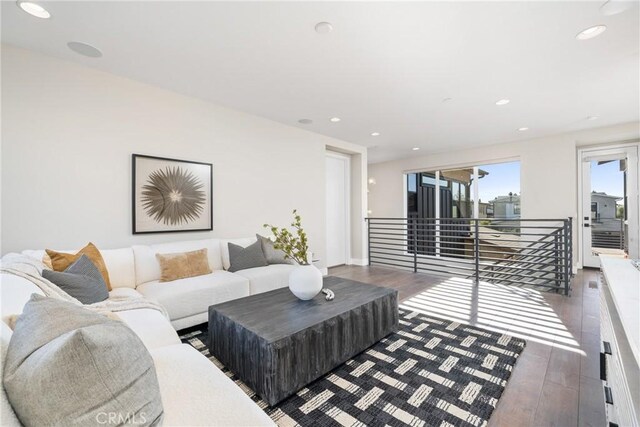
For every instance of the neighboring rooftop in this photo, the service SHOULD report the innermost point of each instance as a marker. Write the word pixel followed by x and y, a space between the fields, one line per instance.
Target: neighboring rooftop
pixel 603 194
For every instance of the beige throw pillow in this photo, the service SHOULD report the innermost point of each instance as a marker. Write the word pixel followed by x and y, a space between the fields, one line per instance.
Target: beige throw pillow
pixel 182 265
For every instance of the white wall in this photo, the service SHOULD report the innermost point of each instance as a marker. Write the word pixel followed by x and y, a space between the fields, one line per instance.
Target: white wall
pixel 548 168
pixel 68 133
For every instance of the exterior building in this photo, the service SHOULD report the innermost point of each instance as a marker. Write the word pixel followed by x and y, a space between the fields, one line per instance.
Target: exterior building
pixel 485 210
pixel 506 206
pixel 603 206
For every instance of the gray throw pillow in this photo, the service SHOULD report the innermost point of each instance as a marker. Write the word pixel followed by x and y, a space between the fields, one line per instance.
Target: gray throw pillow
pixel 82 280
pixel 242 258
pixel 67 365
pixel 273 255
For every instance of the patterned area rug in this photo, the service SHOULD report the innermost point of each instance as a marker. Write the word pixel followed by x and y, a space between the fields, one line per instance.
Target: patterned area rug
pixel 432 372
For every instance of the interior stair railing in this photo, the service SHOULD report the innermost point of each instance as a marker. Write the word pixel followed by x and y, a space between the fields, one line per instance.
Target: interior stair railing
pixel 535 253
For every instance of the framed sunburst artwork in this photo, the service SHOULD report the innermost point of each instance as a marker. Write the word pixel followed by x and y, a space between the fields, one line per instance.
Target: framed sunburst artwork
pixel 171 195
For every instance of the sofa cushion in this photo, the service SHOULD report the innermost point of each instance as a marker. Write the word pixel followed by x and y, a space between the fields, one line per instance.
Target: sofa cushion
pixel 224 248
pixel 148 267
pixel 14 294
pixel 85 364
pixel 82 280
pixel 124 293
pixel 242 258
pixel 151 327
pixel 187 322
pixel 196 393
pixel 264 279
pixel 186 297
pixel 120 265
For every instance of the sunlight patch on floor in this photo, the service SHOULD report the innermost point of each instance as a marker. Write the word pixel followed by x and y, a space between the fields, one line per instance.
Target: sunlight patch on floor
pixel 524 313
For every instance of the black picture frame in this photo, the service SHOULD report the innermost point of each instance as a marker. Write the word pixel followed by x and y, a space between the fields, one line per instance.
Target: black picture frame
pixel 137 212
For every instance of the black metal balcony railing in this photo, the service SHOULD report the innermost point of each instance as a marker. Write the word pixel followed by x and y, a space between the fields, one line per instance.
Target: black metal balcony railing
pixel 520 252
pixel 608 233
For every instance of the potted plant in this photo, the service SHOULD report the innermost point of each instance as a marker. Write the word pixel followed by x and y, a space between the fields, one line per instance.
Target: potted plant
pixel 305 281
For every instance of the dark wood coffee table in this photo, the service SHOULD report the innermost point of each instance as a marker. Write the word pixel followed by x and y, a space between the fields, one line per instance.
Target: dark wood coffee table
pixel 277 344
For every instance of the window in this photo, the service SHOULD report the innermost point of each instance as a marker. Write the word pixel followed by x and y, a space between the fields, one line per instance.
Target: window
pixel 499 188
pixel 486 191
pixel 496 195
pixel 430 179
pixel 412 194
pixel 461 193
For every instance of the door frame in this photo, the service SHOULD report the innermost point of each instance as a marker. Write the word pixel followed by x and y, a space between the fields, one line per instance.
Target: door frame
pixel 633 198
pixel 347 159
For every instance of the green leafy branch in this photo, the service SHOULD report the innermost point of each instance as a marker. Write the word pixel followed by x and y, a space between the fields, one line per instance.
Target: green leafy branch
pixel 294 244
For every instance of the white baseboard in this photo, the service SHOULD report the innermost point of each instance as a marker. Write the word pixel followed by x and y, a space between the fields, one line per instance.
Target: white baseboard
pixel 358 261
pixel 324 271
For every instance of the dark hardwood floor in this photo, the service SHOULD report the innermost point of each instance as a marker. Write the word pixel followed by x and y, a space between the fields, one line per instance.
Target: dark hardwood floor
pixel 556 380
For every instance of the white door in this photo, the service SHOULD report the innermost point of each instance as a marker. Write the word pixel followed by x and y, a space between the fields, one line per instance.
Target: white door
pixel 609 203
pixel 337 206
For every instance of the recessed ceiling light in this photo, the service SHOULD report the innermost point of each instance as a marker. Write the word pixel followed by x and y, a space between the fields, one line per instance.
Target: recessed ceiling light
pixel 85 49
pixel 592 118
pixel 415 148
pixel 323 28
pixel 34 9
pixel 523 129
pixel 613 7
pixel 335 119
pixel 591 32
pixel 305 121
pixel 502 102
pixel 375 133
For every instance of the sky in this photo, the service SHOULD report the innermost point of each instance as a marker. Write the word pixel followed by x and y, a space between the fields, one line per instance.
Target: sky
pixel 505 177
pixel 608 178
pixel 502 179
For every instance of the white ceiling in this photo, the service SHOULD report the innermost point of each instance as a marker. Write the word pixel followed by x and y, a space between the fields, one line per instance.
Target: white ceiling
pixel 385 68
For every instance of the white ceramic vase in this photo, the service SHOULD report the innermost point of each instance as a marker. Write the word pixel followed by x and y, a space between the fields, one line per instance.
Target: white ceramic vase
pixel 305 282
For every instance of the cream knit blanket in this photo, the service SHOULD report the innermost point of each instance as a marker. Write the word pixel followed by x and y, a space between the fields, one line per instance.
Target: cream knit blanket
pixel 31 269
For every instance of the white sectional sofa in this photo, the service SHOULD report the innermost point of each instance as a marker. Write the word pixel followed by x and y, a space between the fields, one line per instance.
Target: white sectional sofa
pixel 187 300
pixel 194 391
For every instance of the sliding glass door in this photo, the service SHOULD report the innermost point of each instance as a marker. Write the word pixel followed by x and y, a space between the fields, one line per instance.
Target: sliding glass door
pixel 438 201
